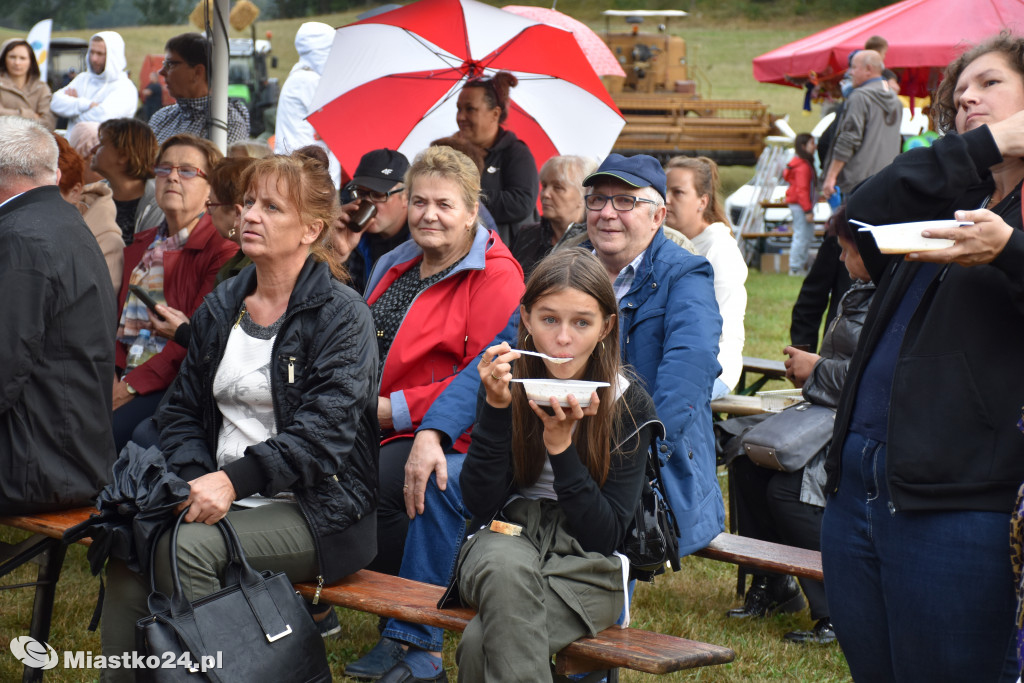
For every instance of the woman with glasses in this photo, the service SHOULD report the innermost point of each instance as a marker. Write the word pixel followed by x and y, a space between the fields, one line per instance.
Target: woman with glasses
pixel 437 301
pixel 175 263
pixel 509 180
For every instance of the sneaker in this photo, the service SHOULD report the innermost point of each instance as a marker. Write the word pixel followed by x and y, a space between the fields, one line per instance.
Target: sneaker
pixel 770 595
pixel 821 634
pixel 329 626
pixel 378 661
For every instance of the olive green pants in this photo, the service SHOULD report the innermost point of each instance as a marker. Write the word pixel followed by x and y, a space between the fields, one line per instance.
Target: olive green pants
pixel 274 537
pixel 534 593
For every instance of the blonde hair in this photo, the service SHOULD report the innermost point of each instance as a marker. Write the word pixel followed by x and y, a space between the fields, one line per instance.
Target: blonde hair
pixel 449 164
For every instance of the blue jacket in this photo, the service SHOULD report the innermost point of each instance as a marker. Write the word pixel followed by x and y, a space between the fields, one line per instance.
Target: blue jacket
pixel 669 326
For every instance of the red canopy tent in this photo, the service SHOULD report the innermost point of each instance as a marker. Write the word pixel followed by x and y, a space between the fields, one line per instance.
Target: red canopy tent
pixel 924 36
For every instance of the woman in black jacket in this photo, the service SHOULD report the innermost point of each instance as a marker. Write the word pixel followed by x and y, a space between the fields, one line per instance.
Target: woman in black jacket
pixel 509 178
pixel 569 477
pixel 927 457
pixel 786 507
pixel 273 418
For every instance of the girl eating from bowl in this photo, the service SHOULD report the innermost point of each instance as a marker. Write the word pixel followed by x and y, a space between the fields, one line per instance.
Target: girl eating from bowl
pixel 566 478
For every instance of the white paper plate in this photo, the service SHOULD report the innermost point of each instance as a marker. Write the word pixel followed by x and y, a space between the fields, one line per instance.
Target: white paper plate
pixel 904 238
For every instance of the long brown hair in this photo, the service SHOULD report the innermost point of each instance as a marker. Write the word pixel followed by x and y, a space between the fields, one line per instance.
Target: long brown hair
pixel 33 62
pixel 580 270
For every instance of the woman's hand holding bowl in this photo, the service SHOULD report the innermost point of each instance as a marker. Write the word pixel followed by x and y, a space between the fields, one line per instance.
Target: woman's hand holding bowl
pixel 976 244
pixel 559 423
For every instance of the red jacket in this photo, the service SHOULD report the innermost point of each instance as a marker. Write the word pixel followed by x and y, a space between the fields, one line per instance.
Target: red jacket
pixel 189 274
pixel 800 176
pixel 446 326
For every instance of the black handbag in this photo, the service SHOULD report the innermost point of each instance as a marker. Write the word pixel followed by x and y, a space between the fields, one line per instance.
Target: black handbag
pixel 255 629
pixel 788 440
pixel 653 537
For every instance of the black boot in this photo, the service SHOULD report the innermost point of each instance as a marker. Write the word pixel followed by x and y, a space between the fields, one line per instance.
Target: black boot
pixel 821 634
pixel 770 595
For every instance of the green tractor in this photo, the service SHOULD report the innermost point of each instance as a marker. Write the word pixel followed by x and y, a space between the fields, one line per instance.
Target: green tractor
pixel 248 80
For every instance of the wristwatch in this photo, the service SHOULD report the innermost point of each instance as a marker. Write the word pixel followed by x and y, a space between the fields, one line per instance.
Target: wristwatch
pixel 129 388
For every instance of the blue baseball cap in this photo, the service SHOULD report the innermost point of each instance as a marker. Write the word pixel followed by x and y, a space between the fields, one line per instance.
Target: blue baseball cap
pixel 639 170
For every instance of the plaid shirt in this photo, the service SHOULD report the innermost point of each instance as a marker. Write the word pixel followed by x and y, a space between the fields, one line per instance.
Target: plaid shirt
pixel 192 116
pixel 624 280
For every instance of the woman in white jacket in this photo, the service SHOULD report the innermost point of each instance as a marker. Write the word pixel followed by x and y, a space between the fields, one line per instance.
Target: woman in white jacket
pixel 695 210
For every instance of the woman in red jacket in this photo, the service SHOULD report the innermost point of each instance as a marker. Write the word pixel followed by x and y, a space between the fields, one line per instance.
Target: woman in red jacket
pixel 176 263
pixel 437 301
pixel 800 196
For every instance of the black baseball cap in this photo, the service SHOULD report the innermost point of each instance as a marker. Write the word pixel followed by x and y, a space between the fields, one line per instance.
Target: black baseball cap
pixel 380 170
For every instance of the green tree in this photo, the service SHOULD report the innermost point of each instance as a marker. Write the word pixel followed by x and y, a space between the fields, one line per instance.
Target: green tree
pixel 66 14
pixel 164 12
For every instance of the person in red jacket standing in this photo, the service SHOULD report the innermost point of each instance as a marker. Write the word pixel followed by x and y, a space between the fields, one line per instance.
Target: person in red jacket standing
pixel 800 175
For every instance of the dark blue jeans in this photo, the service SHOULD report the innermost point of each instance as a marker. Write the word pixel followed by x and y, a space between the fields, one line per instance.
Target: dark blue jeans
pixel 915 596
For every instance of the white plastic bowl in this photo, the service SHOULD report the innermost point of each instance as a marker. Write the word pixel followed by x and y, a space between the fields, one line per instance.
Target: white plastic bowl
pixel 774 401
pixel 904 238
pixel 541 390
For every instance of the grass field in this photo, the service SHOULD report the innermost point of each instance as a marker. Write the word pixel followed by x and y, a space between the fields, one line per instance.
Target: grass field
pixel 691 602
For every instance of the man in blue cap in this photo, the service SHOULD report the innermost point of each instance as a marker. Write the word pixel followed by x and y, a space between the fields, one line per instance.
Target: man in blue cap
pixel 669 325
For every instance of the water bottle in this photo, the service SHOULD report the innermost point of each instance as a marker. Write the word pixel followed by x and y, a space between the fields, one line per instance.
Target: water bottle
pixel 153 347
pixel 137 351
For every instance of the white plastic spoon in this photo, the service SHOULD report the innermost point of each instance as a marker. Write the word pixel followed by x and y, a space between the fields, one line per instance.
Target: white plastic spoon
pixel 557 361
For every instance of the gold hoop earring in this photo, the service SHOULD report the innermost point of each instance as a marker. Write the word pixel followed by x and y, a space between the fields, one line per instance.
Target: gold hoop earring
pixel 602 346
pixel 526 339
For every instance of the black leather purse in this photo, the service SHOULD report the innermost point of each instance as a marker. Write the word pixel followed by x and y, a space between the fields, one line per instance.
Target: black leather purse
pixel 652 540
pixel 255 629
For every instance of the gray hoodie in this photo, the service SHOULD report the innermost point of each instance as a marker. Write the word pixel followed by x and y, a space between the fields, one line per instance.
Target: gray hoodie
pixel 868 138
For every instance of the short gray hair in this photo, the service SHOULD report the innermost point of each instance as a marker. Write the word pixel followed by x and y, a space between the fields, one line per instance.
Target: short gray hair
pixel 648 192
pixel 573 169
pixel 28 152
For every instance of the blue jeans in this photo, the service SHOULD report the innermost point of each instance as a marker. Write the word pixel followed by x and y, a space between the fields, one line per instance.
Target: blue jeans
pixel 803 231
pixel 915 596
pixel 432 549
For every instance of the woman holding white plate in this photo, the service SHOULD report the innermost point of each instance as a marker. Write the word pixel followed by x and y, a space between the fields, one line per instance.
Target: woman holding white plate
pixel 927 456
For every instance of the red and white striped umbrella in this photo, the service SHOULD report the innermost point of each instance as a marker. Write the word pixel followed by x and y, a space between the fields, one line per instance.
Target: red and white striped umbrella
pixel 598 53
pixel 392 80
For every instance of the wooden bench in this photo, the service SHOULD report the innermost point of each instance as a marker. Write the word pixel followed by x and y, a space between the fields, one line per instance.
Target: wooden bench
pixel 763 555
pixel 766 368
pixel 395 597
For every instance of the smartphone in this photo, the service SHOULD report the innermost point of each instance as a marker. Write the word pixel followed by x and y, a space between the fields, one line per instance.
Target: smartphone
pixel 145 298
pixel 801 347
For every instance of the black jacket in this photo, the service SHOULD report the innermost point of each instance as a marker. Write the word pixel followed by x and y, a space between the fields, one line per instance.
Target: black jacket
pixel 509 184
pixel 953 441
pixel 825 384
pixel 597 516
pixel 325 450
pixel 820 293
pixel 57 322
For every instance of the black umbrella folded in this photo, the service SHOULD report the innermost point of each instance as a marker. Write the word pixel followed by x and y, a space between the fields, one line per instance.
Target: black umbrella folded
pixel 134 508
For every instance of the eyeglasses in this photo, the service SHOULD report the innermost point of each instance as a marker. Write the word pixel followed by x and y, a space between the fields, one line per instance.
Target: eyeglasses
pixel 373 195
pixel 184 172
pixel 620 202
pixel 211 205
pixel 171 63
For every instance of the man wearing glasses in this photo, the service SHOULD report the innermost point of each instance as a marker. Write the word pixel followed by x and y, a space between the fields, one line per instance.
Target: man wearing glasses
pixel 104 90
pixel 379 180
pixel 670 326
pixel 185 71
